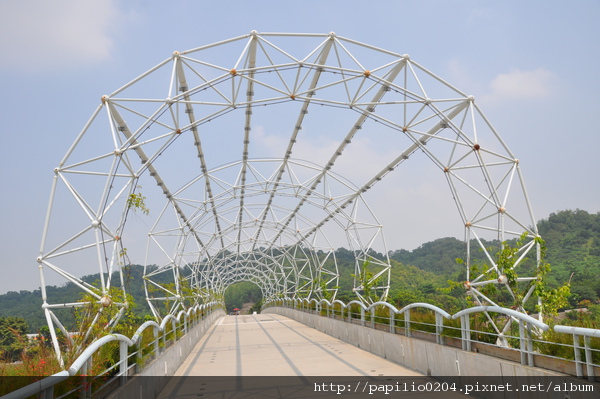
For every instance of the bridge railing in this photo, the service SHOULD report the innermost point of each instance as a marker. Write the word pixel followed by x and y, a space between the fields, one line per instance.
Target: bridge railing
pixel 588 351
pixel 523 343
pixel 134 354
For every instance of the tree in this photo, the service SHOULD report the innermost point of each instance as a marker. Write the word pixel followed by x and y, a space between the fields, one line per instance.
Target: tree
pixel 368 285
pixel 517 291
pixel 13 337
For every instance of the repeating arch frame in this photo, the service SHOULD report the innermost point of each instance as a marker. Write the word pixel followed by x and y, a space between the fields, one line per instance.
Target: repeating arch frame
pixel 127 141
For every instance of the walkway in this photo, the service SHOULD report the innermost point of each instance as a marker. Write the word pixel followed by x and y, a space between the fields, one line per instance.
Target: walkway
pixel 273 345
pixel 243 354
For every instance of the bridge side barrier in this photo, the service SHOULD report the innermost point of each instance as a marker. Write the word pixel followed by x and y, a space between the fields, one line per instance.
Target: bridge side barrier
pixel 302 304
pixel 587 334
pixel 523 347
pixel 525 332
pixel 123 368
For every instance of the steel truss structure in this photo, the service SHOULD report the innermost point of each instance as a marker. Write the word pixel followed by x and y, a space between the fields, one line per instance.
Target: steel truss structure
pixel 212 140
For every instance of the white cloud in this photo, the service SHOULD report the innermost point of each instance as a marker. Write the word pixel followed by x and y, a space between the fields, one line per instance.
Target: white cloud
pixel 41 34
pixel 527 85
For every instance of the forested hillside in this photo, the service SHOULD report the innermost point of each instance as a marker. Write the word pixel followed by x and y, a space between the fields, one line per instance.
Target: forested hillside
pixel 421 275
pixel 573 240
pixel 27 304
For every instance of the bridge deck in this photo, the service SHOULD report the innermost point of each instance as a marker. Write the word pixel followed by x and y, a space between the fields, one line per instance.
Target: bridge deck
pixel 273 345
pixel 240 355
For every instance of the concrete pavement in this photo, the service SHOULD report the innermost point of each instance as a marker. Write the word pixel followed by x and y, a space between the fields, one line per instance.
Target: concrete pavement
pixel 272 356
pixel 273 345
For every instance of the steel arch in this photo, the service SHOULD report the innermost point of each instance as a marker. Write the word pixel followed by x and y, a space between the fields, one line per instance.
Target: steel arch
pixel 272 214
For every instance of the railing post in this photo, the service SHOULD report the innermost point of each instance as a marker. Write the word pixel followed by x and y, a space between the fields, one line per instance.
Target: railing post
pixel 86 386
pixel 349 314
pixel 392 321
pixel 156 348
pixel 577 351
pixel 362 316
pixel 588 358
pixel 407 323
pixel 522 342
pixel 138 357
pixel 83 380
pixel 439 328
pixel 373 317
pixel 465 332
pixel 529 347
pixel 174 326
pixel 123 362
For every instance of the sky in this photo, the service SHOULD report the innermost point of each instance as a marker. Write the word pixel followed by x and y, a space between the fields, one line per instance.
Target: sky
pixel 532 66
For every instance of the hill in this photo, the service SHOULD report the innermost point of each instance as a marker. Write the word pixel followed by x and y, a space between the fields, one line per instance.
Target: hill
pixel 27 304
pixel 573 241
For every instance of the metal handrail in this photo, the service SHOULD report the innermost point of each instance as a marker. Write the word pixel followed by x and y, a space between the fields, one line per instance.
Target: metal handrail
pixel 46 385
pixel 509 312
pixel 586 333
pixel 529 327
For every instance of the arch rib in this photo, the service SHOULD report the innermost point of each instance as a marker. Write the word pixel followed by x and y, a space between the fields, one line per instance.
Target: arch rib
pixel 356 126
pixel 297 127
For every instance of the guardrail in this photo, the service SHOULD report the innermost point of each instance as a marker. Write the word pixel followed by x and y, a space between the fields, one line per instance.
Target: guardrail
pixel 522 344
pixel 130 362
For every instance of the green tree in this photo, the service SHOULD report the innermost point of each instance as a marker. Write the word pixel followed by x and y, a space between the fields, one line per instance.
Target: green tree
pixel 367 282
pixel 239 293
pixel 13 337
pixel 506 259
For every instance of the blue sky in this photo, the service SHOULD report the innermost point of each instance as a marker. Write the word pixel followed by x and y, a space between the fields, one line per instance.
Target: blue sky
pixel 532 67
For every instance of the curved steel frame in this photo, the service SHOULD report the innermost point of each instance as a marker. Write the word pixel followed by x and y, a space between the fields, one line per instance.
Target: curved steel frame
pixel 266 219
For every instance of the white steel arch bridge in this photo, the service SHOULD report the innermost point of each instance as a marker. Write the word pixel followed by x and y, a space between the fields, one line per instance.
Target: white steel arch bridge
pixel 216 157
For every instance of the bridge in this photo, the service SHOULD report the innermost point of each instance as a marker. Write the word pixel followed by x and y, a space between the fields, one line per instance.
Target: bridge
pixel 252 159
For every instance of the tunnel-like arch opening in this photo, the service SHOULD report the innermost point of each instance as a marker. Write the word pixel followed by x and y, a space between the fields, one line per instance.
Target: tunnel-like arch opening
pixel 242 297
